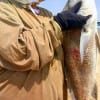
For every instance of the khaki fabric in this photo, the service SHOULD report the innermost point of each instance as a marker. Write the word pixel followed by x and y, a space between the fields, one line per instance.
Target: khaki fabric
pixel 31 57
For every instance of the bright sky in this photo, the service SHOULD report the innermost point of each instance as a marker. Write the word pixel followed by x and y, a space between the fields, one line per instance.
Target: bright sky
pixel 98 8
pixel 56 6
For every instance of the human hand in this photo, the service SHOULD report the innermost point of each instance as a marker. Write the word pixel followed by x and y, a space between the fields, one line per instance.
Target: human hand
pixel 70 19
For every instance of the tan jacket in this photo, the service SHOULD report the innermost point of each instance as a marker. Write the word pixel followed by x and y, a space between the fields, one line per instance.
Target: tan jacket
pixel 30 55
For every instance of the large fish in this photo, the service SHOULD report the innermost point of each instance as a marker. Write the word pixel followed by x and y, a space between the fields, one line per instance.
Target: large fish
pixel 80 50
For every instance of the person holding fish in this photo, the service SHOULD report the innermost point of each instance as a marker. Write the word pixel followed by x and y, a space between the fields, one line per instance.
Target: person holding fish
pixel 31 55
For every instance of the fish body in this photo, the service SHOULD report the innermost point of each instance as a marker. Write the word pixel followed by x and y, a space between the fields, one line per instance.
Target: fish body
pixel 80 48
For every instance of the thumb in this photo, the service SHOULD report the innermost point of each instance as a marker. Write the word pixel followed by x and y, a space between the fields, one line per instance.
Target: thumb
pixel 87 17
